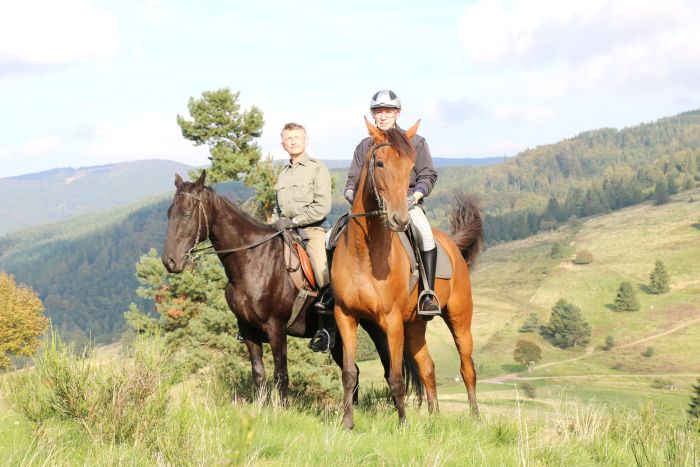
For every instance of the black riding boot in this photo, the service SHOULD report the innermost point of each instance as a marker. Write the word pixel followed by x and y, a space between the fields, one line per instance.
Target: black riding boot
pixel 324 339
pixel 428 305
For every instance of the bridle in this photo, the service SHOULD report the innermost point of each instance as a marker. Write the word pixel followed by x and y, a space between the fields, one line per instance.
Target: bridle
pixel 373 184
pixel 193 252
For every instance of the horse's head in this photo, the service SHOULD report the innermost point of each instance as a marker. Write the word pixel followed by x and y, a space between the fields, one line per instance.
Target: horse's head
pixel 391 160
pixel 187 222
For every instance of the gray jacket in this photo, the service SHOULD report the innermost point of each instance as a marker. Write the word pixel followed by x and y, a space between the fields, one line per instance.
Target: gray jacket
pixel 423 175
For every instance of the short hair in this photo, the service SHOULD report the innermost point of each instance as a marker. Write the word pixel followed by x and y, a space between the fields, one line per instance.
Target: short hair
pixel 292 126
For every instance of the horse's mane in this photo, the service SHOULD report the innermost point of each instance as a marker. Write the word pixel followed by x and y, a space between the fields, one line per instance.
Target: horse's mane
pixel 220 198
pixel 400 143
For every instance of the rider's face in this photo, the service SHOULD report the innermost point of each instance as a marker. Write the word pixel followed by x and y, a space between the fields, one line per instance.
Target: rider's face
pixel 385 117
pixel 294 142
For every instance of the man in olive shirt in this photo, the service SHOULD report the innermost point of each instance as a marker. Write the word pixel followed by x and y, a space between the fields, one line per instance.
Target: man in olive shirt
pixel 304 200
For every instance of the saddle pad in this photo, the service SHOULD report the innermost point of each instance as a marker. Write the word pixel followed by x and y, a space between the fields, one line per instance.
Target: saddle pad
pixel 443 269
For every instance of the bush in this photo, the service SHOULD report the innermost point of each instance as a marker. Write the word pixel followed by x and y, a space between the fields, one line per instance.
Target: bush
pixel 609 343
pixel 531 324
pixel 583 257
pixel 556 250
pixel 648 352
pixel 529 390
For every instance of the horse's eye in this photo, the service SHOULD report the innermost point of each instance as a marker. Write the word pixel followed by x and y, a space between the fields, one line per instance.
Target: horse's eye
pixel 380 164
pixel 187 215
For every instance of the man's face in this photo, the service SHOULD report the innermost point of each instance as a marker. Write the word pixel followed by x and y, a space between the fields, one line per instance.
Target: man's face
pixel 385 117
pixel 294 142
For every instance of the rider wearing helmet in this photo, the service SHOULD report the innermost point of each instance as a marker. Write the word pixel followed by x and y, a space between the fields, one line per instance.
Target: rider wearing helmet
pixel 386 107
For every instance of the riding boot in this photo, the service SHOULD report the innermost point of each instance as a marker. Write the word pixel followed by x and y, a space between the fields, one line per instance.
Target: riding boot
pixel 324 339
pixel 428 305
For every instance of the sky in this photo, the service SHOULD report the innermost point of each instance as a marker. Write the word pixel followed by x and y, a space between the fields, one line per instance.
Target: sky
pixel 86 83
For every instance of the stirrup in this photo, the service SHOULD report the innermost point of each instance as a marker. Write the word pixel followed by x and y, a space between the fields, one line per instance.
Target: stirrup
pixel 323 341
pixel 432 309
pixel 325 303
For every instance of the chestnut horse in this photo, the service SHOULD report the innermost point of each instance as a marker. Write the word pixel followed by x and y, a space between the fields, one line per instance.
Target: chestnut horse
pixel 371 272
pixel 259 290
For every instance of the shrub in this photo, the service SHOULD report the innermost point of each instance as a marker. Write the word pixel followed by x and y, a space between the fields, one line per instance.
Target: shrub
pixel 609 343
pixel 529 390
pixel 531 324
pixel 648 352
pixel 583 257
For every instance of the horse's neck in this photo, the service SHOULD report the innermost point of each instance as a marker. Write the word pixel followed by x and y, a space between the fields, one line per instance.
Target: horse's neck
pixel 229 227
pixel 367 233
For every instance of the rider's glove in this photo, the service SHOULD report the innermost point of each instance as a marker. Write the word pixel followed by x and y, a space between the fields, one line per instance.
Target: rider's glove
pixel 350 196
pixel 284 223
pixel 414 198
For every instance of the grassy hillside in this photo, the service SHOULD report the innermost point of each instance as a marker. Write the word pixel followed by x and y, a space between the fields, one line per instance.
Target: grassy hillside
pixel 54 195
pixel 517 278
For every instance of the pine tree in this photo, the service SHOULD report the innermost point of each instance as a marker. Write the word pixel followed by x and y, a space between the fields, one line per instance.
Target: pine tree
pixel 566 327
pixel 626 299
pixel 22 320
pixel 658 279
pixel 661 195
pixel 694 409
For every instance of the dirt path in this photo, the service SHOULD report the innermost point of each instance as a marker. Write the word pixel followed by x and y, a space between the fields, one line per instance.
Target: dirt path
pixel 501 379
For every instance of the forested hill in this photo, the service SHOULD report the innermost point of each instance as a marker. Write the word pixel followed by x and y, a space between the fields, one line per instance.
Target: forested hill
pixel 594 172
pixel 83 268
pixel 58 194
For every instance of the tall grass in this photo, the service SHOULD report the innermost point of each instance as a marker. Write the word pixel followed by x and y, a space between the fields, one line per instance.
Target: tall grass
pixel 113 411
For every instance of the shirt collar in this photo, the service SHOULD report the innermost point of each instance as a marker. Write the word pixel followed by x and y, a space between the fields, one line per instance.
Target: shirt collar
pixel 303 160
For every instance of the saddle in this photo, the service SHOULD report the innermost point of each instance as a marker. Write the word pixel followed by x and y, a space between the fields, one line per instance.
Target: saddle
pixel 299 271
pixel 410 244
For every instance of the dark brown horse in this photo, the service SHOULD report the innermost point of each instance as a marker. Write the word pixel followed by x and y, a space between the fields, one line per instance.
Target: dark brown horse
pixel 259 291
pixel 371 272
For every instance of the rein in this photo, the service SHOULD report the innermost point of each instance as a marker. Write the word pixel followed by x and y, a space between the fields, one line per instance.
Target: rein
pixel 373 184
pixel 193 252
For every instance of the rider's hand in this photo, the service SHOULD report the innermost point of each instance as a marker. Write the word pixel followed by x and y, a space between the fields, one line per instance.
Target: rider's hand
pixel 284 223
pixel 414 198
pixel 350 196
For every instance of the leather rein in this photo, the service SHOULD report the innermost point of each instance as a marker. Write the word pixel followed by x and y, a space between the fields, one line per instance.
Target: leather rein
pixel 373 184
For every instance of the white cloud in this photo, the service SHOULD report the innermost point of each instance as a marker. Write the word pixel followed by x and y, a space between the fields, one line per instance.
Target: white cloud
pixel 145 136
pixel 515 114
pixel 49 32
pixel 40 146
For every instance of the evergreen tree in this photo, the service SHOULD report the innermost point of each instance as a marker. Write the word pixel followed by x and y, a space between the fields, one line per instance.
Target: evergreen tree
pixel 22 320
pixel 661 195
pixel 626 299
pixel 694 409
pixel 218 122
pixel 527 353
pixel 658 279
pixel 566 327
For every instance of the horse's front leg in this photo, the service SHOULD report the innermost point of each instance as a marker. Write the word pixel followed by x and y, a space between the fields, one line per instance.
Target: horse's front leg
pixel 256 362
pixel 347 326
pixel 278 344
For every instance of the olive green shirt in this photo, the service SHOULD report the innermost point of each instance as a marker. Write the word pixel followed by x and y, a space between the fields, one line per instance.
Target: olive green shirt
pixel 303 191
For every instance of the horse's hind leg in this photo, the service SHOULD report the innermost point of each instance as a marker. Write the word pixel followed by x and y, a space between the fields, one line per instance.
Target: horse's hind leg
pixel 418 348
pixel 458 319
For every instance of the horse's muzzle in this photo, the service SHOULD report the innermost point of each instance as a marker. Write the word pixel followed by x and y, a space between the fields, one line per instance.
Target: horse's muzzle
pixel 170 264
pixel 397 224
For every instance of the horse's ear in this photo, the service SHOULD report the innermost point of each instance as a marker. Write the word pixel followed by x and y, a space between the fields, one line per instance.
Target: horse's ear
pixel 374 132
pixel 199 184
pixel 178 181
pixel 411 132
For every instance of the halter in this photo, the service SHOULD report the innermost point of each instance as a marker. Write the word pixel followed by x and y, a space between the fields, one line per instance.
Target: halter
pixel 373 184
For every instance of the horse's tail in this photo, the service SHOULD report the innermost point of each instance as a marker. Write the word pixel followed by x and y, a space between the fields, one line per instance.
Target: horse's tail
pixel 466 227
pixel 411 377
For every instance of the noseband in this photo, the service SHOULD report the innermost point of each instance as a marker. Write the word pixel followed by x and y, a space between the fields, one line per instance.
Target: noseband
pixel 373 184
pixel 201 212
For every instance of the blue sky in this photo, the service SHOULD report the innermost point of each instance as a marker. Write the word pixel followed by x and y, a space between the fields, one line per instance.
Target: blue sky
pixel 93 82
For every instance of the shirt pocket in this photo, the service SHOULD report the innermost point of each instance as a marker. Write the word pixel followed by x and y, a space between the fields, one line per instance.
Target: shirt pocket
pixel 302 192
